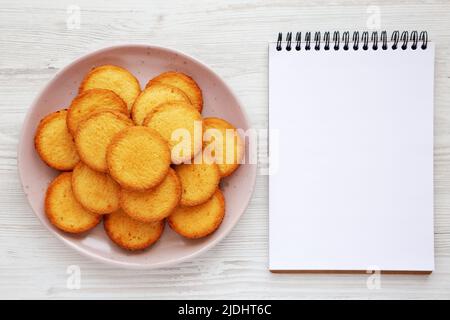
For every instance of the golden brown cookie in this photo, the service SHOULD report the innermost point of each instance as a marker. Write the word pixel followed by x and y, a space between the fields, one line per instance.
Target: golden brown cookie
pixel 63 210
pixel 181 126
pixel 113 78
pixel 95 134
pixel 199 221
pixel 54 143
pixel 155 204
pixel 153 96
pixel 138 158
pixel 90 101
pixel 96 191
pixel 184 83
pixel 131 234
pixel 225 144
pixel 199 181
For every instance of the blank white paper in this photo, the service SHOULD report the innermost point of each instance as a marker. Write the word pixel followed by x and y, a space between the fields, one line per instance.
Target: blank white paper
pixel 353 188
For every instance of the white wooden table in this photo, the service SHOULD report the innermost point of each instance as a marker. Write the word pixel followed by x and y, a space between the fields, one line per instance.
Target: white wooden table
pixel 37 38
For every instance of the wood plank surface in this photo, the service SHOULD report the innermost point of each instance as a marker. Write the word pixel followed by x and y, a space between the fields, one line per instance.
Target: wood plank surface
pixel 231 37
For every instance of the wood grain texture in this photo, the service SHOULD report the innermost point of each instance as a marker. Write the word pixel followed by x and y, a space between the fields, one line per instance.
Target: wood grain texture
pixel 231 37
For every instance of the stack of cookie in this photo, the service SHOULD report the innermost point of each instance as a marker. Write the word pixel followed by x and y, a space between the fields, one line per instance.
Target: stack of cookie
pixel 137 158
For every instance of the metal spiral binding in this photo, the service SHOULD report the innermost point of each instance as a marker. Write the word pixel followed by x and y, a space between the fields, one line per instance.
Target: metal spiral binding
pixel 359 40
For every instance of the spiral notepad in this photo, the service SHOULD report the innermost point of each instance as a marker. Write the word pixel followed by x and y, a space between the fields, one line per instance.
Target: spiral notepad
pixel 351 184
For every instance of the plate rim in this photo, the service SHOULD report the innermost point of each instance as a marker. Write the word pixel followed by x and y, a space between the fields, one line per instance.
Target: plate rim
pixel 103 259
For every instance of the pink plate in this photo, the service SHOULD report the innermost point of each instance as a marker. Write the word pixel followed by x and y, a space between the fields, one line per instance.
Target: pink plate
pixel 144 62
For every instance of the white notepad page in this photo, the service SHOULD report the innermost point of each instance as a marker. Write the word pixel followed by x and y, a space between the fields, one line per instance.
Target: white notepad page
pixel 353 188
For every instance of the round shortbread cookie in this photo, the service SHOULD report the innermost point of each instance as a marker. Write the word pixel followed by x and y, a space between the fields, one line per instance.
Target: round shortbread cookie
pixel 113 78
pixel 54 143
pixel 228 148
pixel 63 210
pixel 184 83
pixel 138 158
pixel 95 134
pixel 181 126
pixel 155 204
pixel 199 181
pixel 90 101
pixel 153 96
pixel 131 234
pixel 96 191
pixel 199 221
